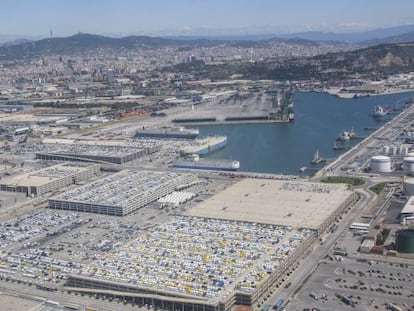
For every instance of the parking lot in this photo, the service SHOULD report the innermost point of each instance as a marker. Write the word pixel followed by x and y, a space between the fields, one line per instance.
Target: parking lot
pixel 348 283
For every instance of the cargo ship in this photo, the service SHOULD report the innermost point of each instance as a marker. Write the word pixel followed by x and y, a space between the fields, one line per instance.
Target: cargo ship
pixel 194 162
pixel 205 145
pixel 167 132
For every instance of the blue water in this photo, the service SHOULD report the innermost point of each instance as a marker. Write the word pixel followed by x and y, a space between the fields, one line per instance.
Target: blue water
pixel 285 147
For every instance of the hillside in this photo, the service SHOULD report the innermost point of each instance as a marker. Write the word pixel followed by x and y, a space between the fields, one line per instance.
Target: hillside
pixel 87 42
pixel 378 60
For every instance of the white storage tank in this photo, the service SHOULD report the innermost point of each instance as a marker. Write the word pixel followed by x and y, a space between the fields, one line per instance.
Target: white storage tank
pixel 408 186
pixel 408 165
pixel 385 150
pixel 381 164
pixel 410 154
pixel 404 151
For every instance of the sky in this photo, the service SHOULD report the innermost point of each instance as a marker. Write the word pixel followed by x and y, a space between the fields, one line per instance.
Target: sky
pixel 187 17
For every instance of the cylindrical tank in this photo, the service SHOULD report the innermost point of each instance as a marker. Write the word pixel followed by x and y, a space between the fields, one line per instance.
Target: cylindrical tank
pixel 408 186
pixel 404 151
pixel 410 154
pixel 408 165
pixel 381 164
pixel 385 150
pixel 405 241
pixel 394 150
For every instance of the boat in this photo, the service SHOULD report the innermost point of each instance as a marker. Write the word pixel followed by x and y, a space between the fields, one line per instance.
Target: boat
pixel 317 158
pixel 346 135
pixel 167 132
pixel 379 112
pixel 343 136
pixel 205 145
pixel 206 164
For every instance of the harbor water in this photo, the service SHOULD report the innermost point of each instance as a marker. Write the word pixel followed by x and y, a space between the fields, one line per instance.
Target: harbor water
pixel 283 148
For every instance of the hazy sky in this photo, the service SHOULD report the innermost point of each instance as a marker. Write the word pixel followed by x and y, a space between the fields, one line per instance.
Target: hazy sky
pixel 65 17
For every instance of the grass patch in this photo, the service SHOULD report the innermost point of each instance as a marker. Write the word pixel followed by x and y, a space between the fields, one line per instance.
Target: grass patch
pixel 354 181
pixel 378 188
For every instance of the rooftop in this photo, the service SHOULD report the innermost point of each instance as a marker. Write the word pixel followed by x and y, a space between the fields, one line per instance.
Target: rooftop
pixel 46 175
pixel 291 203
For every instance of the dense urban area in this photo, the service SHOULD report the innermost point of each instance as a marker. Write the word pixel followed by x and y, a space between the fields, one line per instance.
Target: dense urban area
pixel 108 201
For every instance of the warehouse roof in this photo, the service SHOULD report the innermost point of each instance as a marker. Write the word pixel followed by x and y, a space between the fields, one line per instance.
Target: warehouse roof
pixel 291 203
pixel 46 175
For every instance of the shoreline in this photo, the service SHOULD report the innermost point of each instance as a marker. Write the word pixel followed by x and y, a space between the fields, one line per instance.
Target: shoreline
pixel 337 93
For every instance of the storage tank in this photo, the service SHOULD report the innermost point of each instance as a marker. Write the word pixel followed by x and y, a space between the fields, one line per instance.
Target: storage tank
pixel 410 154
pixel 405 241
pixel 394 150
pixel 408 186
pixel 381 164
pixel 408 165
pixel 404 151
pixel 385 150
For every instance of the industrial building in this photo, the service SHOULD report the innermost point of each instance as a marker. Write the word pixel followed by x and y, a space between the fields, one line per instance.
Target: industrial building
pixel 408 209
pixel 292 203
pixel 195 263
pixel 49 179
pixel 231 249
pixel 98 152
pixel 8 198
pixel 121 193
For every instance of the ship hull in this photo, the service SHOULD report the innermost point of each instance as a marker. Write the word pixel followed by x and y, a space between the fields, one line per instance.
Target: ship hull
pixel 225 166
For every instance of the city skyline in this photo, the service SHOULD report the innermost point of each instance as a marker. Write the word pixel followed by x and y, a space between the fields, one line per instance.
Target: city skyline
pixel 185 17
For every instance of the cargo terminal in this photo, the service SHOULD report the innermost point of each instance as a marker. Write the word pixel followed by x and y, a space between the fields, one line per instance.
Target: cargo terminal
pixel 121 193
pixel 49 179
pixel 220 254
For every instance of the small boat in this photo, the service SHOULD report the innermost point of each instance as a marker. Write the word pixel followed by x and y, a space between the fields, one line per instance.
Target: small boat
pixel 317 158
pixel 379 112
pixel 346 135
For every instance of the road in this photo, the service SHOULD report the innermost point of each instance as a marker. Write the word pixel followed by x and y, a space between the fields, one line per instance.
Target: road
pixel 311 262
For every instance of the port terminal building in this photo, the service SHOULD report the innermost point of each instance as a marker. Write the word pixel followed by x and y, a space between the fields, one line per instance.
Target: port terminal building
pixel 232 249
pixel 121 193
pixel 49 179
pixel 95 151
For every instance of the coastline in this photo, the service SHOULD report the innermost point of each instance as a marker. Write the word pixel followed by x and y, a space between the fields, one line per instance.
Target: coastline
pixel 348 95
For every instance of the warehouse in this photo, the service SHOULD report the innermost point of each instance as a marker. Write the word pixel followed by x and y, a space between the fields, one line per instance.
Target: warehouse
pixel 49 179
pixel 193 263
pixel 121 193
pixel 233 248
pixel 8 199
pixel 293 203
pixel 97 152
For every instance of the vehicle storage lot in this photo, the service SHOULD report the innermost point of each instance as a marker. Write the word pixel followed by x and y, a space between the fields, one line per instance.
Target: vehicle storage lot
pixel 347 284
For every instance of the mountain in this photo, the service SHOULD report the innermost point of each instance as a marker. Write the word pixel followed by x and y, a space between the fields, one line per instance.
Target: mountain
pixel 16 42
pixel 352 37
pixel 406 37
